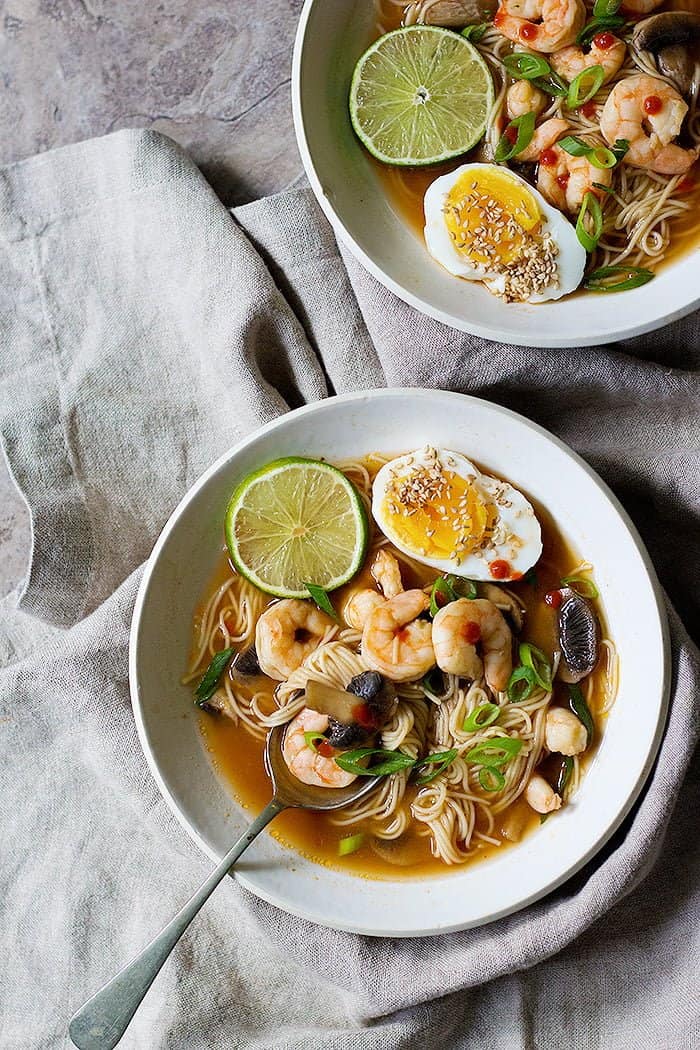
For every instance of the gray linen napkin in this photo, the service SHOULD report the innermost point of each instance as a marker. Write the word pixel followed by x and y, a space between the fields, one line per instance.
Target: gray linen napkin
pixel 142 331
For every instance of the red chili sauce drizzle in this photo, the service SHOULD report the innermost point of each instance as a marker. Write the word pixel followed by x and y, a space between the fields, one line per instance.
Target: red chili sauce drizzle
pixel 500 570
pixel 652 105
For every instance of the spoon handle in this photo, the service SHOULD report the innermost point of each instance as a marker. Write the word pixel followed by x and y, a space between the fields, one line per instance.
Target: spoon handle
pixel 100 1023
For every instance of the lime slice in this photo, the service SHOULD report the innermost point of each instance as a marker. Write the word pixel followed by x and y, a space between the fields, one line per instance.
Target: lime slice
pixel 293 522
pixel 420 95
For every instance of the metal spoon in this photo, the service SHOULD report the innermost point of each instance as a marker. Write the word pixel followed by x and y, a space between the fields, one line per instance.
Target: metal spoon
pixel 101 1022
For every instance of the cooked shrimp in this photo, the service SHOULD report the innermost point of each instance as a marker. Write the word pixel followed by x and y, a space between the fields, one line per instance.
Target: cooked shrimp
pixel 397 644
pixel 541 796
pixel 648 113
pixel 564 732
pixel 571 61
pixel 523 97
pixel 544 137
pixel 359 606
pixel 306 764
pixel 286 633
pixel 542 25
pixel 462 625
pixel 387 573
pixel 564 180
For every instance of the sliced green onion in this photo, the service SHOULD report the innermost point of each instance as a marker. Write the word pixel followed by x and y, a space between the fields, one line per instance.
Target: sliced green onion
pixel 584 86
pixel 586 588
pixel 463 587
pixel 521 685
pixel 578 705
pixel 525 128
pixel 598 156
pixel 605 8
pixel 565 771
pixel 210 680
pixel 619 148
pixel 632 277
pixel 442 587
pixel 491 779
pixel 526 67
pixel 496 752
pixel 591 205
pixel 602 157
pixel 482 716
pixel 605 189
pixel 311 739
pixel 350 844
pixel 534 658
pixel 390 762
pixel 434 682
pixel 440 759
pixel 574 146
pixel 552 84
pixel 322 600
pixel 475 32
pixel 596 25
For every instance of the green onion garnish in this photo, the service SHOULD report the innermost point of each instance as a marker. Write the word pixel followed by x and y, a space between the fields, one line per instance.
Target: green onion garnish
pixel 620 147
pixel 496 751
pixel 525 129
pixel 605 8
pixel 584 86
pixel 574 146
pixel 534 658
pixel 350 844
pixel 582 711
pixel 434 682
pixel 463 587
pixel 482 716
pixel 391 762
pixel 586 588
pixel 596 25
pixel 440 759
pixel 565 771
pixel 521 685
pixel 475 32
pixel 311 739
pixel 526 67
pixel 591 205
pixel 444 588
pixel 598 156
pixel 210 680
pixel 632 277
pixel 600 186
pixel 491 779
pixel 552 84
pixel 322 600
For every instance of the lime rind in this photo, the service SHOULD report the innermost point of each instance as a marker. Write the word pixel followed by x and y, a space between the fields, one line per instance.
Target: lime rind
pixel 326 561
pixel 481 94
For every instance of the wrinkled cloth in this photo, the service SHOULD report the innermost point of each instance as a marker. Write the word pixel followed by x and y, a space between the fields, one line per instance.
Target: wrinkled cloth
pixel 143 330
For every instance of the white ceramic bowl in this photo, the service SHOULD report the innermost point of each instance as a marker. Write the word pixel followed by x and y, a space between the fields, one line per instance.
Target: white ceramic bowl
pixel 332 35
pixel 588 515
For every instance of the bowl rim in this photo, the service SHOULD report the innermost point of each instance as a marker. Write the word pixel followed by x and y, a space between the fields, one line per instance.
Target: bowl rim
pixel 660 626
pixel 472 326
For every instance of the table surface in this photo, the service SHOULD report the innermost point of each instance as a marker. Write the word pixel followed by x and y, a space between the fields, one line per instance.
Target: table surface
pixel 213 75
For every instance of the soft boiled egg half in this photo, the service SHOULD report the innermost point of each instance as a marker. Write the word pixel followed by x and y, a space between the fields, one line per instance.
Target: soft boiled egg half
pixel 485 223
pixel 437 507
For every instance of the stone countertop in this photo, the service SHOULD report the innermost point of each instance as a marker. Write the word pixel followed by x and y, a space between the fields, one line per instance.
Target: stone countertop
pixel 213 75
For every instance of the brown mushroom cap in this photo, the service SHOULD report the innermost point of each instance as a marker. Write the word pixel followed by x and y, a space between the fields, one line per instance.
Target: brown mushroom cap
pixel 669 35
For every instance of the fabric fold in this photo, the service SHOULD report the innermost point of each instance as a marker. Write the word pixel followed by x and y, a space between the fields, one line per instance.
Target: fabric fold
pixel 143 330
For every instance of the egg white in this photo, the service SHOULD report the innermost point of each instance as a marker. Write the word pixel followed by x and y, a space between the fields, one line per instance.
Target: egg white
pixel 516 518
pixel 571 260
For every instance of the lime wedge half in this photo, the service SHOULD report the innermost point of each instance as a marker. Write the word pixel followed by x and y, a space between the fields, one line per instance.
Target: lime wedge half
pixel 420 95
pixel 293 522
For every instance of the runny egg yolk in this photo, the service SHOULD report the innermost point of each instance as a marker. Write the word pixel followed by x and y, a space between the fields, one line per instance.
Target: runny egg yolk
pixel 490 216
pixel 451 521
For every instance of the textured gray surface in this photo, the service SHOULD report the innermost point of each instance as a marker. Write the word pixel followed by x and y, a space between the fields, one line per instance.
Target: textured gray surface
pixel 213 75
